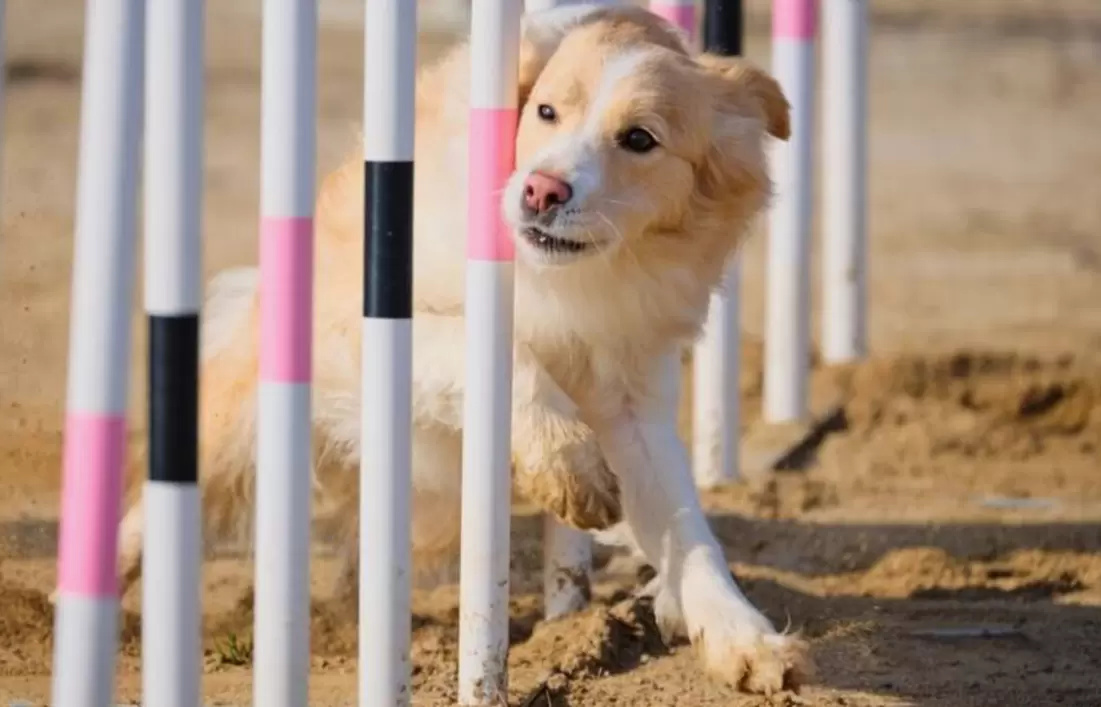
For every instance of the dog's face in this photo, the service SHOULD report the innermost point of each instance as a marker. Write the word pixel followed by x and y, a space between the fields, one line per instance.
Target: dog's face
pixel 623 138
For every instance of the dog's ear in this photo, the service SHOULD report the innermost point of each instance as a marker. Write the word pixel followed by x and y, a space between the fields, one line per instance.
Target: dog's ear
pixel 745 104
pixel 750 87
pixel 540 34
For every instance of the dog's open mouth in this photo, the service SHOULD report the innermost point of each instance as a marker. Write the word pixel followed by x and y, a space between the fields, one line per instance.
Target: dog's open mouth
pixel 550 244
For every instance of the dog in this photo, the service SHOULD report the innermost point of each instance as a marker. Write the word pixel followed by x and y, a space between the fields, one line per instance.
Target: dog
pixel 640 167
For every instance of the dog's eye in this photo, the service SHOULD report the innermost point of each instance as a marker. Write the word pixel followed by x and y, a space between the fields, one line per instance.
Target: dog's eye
pixel 547 113
pixel 637 140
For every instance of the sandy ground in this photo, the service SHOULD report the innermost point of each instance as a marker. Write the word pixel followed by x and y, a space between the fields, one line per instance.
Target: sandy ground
pixel 939 545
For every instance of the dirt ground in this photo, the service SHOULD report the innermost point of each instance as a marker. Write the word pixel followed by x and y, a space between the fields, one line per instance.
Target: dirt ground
pixel 939 542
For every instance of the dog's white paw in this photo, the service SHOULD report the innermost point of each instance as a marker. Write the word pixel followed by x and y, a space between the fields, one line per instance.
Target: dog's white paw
pixel 750 657
pixel 52 597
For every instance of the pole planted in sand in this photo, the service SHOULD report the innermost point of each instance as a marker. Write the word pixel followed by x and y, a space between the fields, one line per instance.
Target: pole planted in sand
pixel 86 618
pixel 171 602
pixel 385 477
pixel 716 360
pixel 284 450
pixel 487 403
pixel 844 185
pixel 787 311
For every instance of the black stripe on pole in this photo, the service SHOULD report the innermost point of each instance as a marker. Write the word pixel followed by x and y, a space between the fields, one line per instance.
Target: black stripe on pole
pixel 723 27
pixel 388 240
pixel 174 398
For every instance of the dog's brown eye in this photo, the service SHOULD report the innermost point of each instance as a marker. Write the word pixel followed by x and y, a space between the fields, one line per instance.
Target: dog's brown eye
pixel 547 113
pixel 637 140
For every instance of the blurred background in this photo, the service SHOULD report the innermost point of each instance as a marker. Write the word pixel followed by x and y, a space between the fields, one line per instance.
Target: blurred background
pixel 939 545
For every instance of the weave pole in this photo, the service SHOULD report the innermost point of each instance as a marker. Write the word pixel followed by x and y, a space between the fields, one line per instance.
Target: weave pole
pixel 386 462
pixel 567 553
pixel 717 356
pixel 283 484
pixel 531 6
pixel 567 565
pixel 3 62
pixel 787 311
pixel 171 614
pixel 487 403
pixel 86 618
pixel 681 13
pixel 845 53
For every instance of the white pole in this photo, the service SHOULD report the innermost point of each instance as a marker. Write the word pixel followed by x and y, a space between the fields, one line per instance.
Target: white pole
pixel 681 13
pixel 487 405
pixel 86 621
pixel 567 563
pixel 387 353
pixel 540 5
pixel 3 75
pixel 567 553
pixel 787 334
pixel 283 470
pixel 171 590
pixel 715 393
pixel 845 42
pixel 716 360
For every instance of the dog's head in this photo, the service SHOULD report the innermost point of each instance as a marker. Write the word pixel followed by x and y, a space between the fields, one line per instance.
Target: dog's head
pixel 627 144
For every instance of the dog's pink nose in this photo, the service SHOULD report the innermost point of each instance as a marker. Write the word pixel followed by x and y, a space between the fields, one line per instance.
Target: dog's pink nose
pixel 542 191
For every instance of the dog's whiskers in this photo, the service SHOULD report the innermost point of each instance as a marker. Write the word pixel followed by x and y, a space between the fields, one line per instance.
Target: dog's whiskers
pixel 622 240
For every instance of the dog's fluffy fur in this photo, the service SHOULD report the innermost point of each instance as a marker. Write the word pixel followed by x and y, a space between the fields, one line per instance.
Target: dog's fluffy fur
pixel 597 333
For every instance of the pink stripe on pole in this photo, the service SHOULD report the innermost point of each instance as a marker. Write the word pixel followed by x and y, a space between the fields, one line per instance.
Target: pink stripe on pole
pixel 286 299
pixel 683 16
pixel 794 19
pixel 95 449
pixel 492 157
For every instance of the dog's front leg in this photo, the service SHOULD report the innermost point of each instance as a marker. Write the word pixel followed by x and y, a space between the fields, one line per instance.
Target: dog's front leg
pixel 697 592
pixel 556 458
pixel 557 462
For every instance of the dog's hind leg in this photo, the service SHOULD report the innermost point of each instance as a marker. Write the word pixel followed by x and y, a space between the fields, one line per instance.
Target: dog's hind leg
pixel 436 511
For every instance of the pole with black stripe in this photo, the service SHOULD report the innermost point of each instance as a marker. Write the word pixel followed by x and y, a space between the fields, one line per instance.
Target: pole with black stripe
pixel 386 433
pixel 717 356
pixel 171 616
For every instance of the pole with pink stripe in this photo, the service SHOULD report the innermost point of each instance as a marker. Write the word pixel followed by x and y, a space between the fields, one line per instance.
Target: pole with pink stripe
pixel 385 480
pixel 487 403
pixel 787 325
pixel 845 56
pixel 283 469
pixel 567 552
pixel 86 619
pixel 682 13
pixel 3 55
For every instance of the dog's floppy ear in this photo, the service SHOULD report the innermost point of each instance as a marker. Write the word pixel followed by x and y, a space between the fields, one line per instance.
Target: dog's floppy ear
pixel 748 83
pixel 745 104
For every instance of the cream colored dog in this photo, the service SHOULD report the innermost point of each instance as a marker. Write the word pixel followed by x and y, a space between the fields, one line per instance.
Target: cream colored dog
pixel 640 168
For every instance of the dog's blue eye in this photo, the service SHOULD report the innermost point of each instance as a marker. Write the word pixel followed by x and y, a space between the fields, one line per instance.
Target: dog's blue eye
pixel 547 113
pixel 637 140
